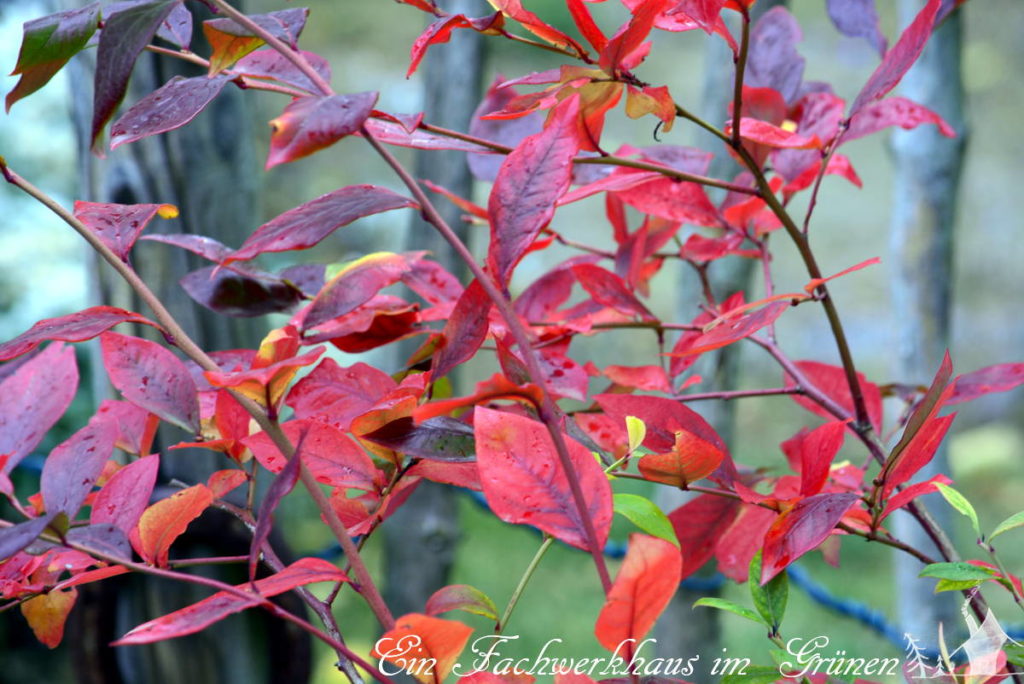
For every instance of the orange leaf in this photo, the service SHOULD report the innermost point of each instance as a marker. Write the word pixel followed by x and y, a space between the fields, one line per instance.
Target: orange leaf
pixel 167 519
pixel 423 647
pixel 813 284
pixel 47 613
pixel 645 584
pixel 691 459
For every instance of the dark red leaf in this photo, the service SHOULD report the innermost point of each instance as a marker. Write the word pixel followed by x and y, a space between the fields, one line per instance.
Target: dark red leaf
pixel 118 226
pixel 75 327
pixel 608 289
pixel 663 417
pixel 508 132
pixel 308 224
pixel 772 59
pixel 200 615
pixel 150 376
pixel 32 399
pixel 647 581
pixel 338 394
pixel 177 27
pixel 815 451
pixel 72 468
pixel 999 378
pixel 802 529
pixel 309 124
pixel 899 58
pixel 125 33
pixel 432 281
pixel 744 538
pixel 48 43
pixel 465 330
pixel 173 105
pixel 524 482
pixel 699 524
pixel 530 182
pixel 858 19
pixel 440 439
pixel 831 381
pixel 925 410
pixel 356 284
pixel 126 495
pixel 893 111
pixel 271 64
pixel 918 453
pixel 330 454
pixel 240 292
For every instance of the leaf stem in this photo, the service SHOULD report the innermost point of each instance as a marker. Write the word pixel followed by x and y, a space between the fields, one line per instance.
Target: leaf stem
pixel 741 65
pixel 521 587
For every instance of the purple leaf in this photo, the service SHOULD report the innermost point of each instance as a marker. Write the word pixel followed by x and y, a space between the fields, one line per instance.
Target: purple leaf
pixel 107 538
pixel 899 59
pixel 285 25
pixel 14 539
pixel 150 376
pixel 176 29
pixel 75 327
pixel 279 488
pixel 206 247
pixel 858 19
pixel 239 292
pixel 126 494
pixel 773 61
pixel 124 35
pixel 508 132
pixel 999 378
pixel 71 469
pixel 439 439
pixel 270 64
pixel 172 106
pixel 33 399
pixel 118 226
pixel 308 224
pixel 391 133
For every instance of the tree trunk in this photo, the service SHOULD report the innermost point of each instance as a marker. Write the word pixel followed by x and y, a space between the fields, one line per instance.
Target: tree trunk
pixel 926 186
pixel 420 539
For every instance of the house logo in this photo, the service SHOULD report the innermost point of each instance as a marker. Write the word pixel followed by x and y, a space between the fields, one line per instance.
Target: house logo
pixel 982 650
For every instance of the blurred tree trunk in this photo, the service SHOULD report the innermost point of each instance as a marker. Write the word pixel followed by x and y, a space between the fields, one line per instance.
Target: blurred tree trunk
pixel 682 630
pixel 926 186
pixel 209 171
pixel 420 538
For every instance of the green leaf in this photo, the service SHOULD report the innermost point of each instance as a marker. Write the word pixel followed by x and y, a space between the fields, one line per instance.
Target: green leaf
pixel 957 572
pixel 960 503
pixel 48 44
pixel 722 604
pixel 769 599
pixel 461 597
pixel 646 515
pixel 753 674
pixel 956 585
pixel 1014 521
pixel 1014 653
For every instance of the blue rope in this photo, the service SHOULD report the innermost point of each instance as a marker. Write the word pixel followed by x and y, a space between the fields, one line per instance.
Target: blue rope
pixel 869 617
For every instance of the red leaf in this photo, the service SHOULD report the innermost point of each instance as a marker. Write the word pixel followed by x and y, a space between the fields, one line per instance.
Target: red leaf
pixel 125 496
pixel 508 132
pixel 999 378
pixel 899 58
pixel 733 328
pixel 206 247
pixel 32 399
pixel 224 481
pixel 838 164
pixel 858 19
pixel 769 135
pixel 48 43
pixel 440 31
pixel 925 410
pixel 690 459
pixel 585 23
pixel 75 327
pixel 813 284
pixel 425 647
pixel 308 224
pixel 645 584
pixel 918 453
pixel 391 133
pixel 131 422
pixel 356 284
pixel 118 226
pixel 631 36
pixel 271 64
pixel 458 474
pixel 608 290
pixel 312 123
pixel 531 22
pixel 524 482
pixel 150 376
pixel 663 417
pixel 173 105
pixel 802 529
pixel 465 330
pixel 649 378
pixel 339 394
pixel 265 384
pixel 166 520
pixel 908 494
pixel 815 451
pixel 894 111
pixel 330 454
pixel 497 387
pixel 531 180
pixel 125 33
pixel 461 597
pixel 72 468
pixel 673 200
pixel 831 381
pixel 699 524
pixel 47 613
pixel 200 615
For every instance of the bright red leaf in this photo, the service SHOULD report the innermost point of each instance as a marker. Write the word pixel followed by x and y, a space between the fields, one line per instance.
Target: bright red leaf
pixel 646 582
pixel 338 394
pixel 831 381
pixel 918 453
pixel 524 481
pixel 699 524
pixel 630 37
pixel 126 495
pixel 690 459
pixel 608 290
pixel 815 451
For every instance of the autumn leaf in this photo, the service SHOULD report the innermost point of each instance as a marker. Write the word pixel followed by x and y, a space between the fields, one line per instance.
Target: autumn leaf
pixel 423 646
pixel 166 520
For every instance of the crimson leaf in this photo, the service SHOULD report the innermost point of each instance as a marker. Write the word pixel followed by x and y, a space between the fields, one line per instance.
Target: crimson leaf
pixel 75 327
pixel 312 123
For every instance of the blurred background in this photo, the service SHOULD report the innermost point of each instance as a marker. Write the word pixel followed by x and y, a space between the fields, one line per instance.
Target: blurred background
pixel 46 271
